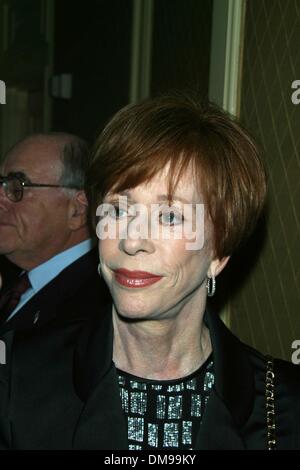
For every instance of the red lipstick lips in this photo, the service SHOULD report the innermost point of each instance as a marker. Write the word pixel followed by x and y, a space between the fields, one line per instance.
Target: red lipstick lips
pixel 135 279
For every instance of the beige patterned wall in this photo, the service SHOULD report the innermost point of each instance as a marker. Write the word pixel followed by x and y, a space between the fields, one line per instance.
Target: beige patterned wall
pixel 266 311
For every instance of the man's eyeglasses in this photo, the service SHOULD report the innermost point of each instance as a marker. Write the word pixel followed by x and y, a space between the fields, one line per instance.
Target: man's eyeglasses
pixel 14 186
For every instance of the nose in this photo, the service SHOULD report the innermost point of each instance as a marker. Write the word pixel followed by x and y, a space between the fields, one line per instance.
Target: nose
pixel 4 201
pixel 137 238
pixel 2 192
pixel 133 247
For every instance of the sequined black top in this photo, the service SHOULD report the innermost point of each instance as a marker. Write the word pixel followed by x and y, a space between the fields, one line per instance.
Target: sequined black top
pixel 165 414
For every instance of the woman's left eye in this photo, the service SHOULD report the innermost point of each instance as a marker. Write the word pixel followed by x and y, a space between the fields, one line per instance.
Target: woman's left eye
pixel 171 218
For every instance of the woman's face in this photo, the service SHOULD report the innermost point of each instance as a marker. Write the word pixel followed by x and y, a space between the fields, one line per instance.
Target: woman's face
pixel 148 268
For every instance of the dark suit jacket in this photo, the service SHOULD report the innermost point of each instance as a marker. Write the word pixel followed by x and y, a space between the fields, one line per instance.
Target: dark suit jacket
pixel 235 415
pixel 38 405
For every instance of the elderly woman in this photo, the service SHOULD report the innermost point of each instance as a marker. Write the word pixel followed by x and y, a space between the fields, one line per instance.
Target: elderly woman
pixel 177 187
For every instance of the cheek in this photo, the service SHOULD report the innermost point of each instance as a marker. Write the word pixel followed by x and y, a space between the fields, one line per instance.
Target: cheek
pixel 108 248
pixel 174 253
pixel 185 264
pixel 28 218
pixel 172 259
pixel 40 218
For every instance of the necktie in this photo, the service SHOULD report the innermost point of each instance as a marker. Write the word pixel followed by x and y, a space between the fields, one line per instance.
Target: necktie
pixel 10 299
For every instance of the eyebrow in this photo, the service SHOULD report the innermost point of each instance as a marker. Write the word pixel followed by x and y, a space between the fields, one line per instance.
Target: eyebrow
pixel 160 197
pixel 20 174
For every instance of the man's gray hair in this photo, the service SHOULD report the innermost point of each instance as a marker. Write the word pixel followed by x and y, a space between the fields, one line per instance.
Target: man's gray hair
pixel 74 157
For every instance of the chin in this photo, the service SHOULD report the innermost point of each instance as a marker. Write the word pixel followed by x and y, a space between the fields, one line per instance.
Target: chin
pixel 133 309
pixel 6 248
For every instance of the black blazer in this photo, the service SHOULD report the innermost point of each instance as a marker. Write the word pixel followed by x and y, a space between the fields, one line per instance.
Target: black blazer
pixel 235 415
pixel 38 405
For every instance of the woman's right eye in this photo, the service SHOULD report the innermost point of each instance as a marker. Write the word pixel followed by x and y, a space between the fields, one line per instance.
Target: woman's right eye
pixel 116 212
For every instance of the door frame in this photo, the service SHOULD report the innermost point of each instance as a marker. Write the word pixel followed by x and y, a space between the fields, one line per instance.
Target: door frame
pixel 227 42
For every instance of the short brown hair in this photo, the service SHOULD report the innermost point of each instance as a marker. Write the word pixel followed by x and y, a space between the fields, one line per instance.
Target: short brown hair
pixel 142 138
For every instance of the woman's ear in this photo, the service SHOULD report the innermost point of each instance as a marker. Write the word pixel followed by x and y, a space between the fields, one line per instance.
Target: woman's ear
pixel 78 211
pixel 217 265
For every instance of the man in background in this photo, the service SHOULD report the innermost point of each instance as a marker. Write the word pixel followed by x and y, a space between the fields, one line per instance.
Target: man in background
pixel 45 232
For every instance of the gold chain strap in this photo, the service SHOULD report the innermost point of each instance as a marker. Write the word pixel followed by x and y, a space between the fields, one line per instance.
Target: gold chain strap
pixel 270 405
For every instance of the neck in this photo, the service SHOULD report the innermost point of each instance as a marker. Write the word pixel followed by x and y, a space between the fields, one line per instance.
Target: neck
pixel 163 349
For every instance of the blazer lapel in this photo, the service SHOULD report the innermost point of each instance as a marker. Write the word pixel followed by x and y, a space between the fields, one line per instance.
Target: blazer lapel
pixel 232 398
pixel 218 430
pixel 102 423
pixel 43 306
